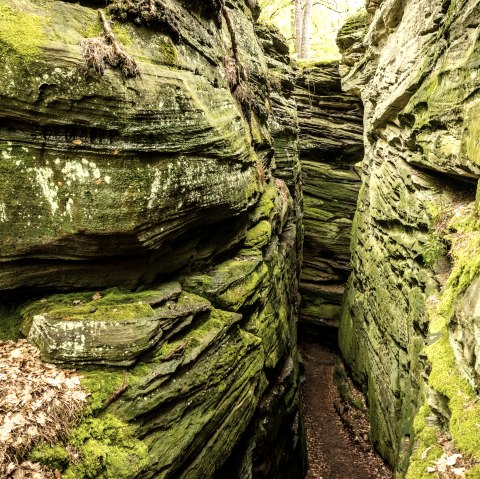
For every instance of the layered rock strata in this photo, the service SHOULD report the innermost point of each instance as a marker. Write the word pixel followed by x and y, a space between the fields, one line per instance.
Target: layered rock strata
pixel 331 149
pixel 406 333
pixel 148 200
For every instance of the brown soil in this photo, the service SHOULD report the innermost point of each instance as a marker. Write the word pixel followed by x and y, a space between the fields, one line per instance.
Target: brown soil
pixel 332 452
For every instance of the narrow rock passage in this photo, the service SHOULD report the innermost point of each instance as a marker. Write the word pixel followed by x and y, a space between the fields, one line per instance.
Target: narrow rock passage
pixel 332 453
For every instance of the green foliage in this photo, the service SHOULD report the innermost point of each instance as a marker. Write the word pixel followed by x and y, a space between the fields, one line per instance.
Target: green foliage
pixel 433 249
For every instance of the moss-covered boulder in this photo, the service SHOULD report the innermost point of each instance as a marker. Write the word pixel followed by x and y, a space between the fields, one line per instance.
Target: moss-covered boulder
pixel 108 327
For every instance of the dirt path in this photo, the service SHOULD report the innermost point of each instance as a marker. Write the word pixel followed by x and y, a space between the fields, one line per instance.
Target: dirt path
pixel 332 453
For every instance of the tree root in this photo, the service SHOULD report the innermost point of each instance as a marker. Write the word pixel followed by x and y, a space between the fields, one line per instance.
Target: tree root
pixel 235 71
pixel 104 50
pixel 150 13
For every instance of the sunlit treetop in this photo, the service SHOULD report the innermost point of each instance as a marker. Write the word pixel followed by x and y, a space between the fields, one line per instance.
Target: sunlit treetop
pixel 310 26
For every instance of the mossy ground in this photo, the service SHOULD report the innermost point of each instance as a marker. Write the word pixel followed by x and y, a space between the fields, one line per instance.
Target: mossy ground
pixel 103 448
pixel 10 319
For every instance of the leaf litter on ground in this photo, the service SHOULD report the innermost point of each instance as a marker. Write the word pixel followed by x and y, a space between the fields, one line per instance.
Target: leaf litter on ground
pixel 39 402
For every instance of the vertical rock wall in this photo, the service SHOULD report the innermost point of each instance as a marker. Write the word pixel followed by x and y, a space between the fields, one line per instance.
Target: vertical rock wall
pixel 152 206
pixel 331 149
pixel 406 332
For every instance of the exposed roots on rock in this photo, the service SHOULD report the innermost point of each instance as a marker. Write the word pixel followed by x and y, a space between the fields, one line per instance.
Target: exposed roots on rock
pixel 38 404
pixel 104 50
pixel 150 13
pixel 235 71
pixel 210 9
pixel 244 94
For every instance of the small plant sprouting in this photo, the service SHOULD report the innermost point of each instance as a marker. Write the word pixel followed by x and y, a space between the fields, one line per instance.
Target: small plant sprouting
pixel 433 249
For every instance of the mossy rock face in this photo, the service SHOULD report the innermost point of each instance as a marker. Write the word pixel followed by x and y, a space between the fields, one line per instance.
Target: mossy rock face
pixel 115 341
pixel 108 327
pixel 183 406
pixel 330 146
pixel 98 167
pixel 421 122
pixel 466 333
pixel 109 181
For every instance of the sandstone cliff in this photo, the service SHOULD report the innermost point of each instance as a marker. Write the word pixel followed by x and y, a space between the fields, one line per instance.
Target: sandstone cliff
pixel 406 332
pixel 150 232
pixel 331 149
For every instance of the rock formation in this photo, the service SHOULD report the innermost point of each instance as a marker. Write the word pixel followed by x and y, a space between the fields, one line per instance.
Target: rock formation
pixel 406 333
pixel 151 228
pixel 331 149
pixel 151 231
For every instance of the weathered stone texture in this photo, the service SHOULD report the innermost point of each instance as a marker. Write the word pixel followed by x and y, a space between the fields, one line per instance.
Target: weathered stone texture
pixel 155 209
pixel 119 169
pixel 331 149
pixel 418 81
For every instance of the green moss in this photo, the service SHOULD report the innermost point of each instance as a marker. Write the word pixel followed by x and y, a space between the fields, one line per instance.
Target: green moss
pixel 266 204
pixel 221 278
pixel 54 457
pixel 447 380
pixel 473 473
pixel 102 384
pixel 237 295
pixel 464 241
pixel 121 312
pixel 114 304
pixel 426 450
pixel 168 51
pixel 10 319
pixel 464 425
pixel 122 34
pixel 433 249
pixel 21 32
pixel 259 235
pixel 92 30
pixel 358 19
pixel 108 449
pixel 445 377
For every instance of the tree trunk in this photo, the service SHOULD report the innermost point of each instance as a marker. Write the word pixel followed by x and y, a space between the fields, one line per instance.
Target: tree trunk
pixel 306 30
pixel 298 30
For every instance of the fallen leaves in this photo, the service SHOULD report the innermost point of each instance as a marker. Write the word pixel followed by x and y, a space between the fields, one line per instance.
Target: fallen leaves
pixel 96 296
pixel 38 403
pixel 449 466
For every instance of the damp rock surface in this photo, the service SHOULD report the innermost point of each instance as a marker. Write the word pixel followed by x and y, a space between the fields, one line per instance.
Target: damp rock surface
pixel 331 150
